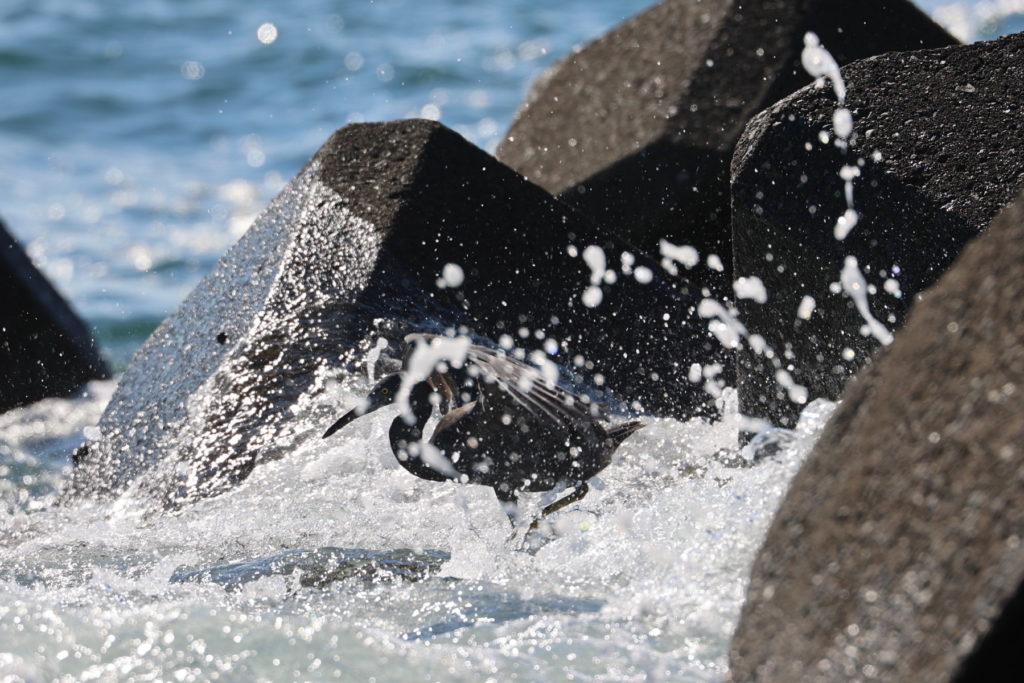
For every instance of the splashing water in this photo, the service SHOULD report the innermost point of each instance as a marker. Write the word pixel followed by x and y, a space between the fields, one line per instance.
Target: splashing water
pixel 725 324
pixel 806 308
pixel 425 356
pixel 595 259
pixel 819 63
pixel 750 288
pixel 673 253
pixel 856 287
pixel 452 276
pixel 641 580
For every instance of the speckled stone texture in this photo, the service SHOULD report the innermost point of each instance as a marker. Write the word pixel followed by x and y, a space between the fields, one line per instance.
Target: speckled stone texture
pixel 638 127
pixel 352 249
pixel 900 540
pixel 45 348
pixel 946 125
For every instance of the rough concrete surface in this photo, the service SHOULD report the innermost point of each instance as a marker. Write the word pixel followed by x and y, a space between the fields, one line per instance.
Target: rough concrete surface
pixel 637 128
pixel 352 250
pixel 45 348
pixel 900 541
pixel 936 143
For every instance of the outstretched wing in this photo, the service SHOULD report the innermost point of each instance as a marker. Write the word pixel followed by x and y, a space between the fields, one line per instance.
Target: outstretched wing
pixel 524 385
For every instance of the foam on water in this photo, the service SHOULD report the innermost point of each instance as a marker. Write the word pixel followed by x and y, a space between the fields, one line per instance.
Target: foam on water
pixel 643 579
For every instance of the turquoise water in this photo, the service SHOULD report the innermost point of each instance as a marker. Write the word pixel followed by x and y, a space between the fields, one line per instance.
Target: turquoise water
pixel 137 141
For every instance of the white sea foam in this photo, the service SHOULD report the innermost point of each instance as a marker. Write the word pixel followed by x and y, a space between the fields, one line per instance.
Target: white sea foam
pixel 646 575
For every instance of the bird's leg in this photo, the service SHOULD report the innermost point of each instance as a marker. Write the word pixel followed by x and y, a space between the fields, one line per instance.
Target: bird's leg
pixel 581 490
pixel 509 503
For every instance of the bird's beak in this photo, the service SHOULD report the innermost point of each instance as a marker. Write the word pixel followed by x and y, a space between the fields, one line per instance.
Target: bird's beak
pixel 383 394
pixel 345 419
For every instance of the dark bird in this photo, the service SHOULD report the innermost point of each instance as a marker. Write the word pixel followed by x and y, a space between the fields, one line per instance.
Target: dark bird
pixel 503 425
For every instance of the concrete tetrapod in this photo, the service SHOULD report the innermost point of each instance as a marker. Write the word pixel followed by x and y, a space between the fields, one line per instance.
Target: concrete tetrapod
pixel 896 554
pixel 357 247
pixel 45 348
pixel 935 156
pixel 637 128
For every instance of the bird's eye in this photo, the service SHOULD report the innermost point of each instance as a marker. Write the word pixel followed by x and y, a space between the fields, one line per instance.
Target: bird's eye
pixel 385 391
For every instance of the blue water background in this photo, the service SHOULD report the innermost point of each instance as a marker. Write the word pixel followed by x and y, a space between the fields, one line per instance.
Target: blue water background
pixel 139 138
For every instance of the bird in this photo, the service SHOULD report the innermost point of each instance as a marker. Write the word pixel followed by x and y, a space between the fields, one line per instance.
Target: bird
pixel 503 423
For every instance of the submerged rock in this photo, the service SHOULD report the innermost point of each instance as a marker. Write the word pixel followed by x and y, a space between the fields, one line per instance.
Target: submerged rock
pixel 932 158
pixel 45 348
pixel 638 127
pixel 321 567
pixel 897 554
pixel 390 228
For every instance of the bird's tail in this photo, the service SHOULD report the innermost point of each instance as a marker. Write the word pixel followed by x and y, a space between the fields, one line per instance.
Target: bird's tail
pixel 618 433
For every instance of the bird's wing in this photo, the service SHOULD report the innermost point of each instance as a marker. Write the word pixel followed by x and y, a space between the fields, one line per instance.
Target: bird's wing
pixel 445 388
pixel 450 418
pixel 525 385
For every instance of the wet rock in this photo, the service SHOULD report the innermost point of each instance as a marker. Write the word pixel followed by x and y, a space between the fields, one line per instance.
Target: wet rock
pixel 898 545
pixel 321 567
pixel 359 245
pixel 45 348
pixel 935 146
pixel 638 127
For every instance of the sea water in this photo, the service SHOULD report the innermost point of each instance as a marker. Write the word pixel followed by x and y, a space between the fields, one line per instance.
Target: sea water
pixel 137 141
pixel 643 580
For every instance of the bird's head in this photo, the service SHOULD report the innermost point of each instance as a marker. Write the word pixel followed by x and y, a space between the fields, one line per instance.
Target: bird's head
pixel 383 394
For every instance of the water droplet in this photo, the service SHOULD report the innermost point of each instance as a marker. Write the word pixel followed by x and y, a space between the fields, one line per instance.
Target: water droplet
pixel 266 33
